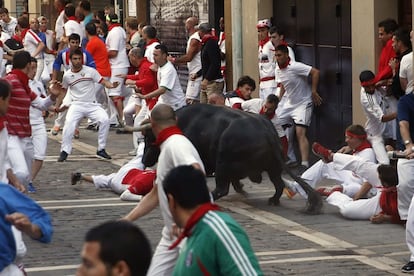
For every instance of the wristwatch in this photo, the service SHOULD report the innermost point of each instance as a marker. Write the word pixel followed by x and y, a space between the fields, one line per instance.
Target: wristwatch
pixel 406 142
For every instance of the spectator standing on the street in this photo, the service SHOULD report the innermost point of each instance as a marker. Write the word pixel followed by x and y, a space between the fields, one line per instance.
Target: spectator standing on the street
pixel 37 123
pixel 216 243
pixel 131 28
pixel 71 25
pixel 386 28
pixel 406 72
pixel 176 150
pixel 297 97
pixel 35 46
pixel 8 23
pixel 373 106
pixel 116 47
pixel 115 248
pixel 19 211
pixel 49 54
pixel 145 82
pixel 149 34
pixel 85 8
pixel 60 22
pixel 222 45
pixel 80 100
pixel 267 63
pixel 193 59
pixel 212 80
pixel 20 146
pixel 405 168
pixel 169 89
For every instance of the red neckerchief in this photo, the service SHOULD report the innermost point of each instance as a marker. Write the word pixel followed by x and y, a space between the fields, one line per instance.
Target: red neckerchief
pixel 239 94
pixel 23 34
pixel 207 37
pixel 24 79
pixel 74 18
pixel 113 25
pixel 263 41
pixel 222 37
pixel 262 112
pixel 364 145
pixel 151 41
pixel 283 43
pixel 195 217
pixel 165 133
pixel 283 66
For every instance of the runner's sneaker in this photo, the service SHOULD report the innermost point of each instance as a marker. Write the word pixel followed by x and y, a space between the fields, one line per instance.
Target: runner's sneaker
pixel 289 193
pixel 55 130
pixel 128 196
pixel 31 188
pixel 322 152
pixel 63 156
pixel 408 267
pixel 102 154
pixel 75 178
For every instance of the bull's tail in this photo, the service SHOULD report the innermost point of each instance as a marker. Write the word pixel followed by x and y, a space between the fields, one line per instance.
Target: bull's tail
pixel 314 203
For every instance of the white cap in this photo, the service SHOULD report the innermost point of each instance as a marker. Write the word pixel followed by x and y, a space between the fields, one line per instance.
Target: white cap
pixel 264 23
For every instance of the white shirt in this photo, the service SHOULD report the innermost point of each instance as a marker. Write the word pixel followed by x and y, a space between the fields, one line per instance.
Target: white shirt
pixel 406 71
pixel 295 80
pixel 195 64
pixel 30 42
pixel 36 115
pixel 255 106
pixel 373 106
pixel 81 85
pixel 232 101
pixel 60 22
pixel 177 150
pixel 167 78
pixel 116 41
pixel 74 27
pixel 149 51
pixel 4 158
pixel 9 27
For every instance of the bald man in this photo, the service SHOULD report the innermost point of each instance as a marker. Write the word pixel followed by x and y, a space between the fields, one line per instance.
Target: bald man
pixel 193 60
pixel 176 150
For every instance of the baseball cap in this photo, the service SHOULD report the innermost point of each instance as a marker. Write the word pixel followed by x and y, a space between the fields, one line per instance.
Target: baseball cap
pixel 264 23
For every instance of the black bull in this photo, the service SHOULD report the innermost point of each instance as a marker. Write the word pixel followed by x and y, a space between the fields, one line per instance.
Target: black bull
pixel 234 144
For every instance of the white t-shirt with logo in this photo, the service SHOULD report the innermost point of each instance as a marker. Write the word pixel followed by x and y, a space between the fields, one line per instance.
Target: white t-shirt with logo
pixel 81 85
pixel 116 41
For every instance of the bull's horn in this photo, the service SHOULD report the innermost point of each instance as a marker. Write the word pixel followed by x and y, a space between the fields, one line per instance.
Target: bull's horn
pixel 136 129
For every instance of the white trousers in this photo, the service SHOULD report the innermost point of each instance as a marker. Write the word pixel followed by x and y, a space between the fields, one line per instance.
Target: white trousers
pixel 142 115
pixel 130 108
pixel 20 152
pixel 355 209
pixel 163 260
pixel 405 188
pixel 11 270
pixel 377 143
pixel 114 180
pixel 39 140
pixel 76 112
pixel 409 227
pixel 4 159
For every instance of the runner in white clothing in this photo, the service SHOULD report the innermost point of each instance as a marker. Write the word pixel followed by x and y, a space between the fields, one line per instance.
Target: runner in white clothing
pixel 80 100
pixel 373 104
pixel 297 97
pixel 176 150
pixel 169 87
pixel 149 34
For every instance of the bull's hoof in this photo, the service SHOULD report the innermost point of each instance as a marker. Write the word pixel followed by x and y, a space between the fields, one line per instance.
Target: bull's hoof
pixel 217 194
pixel 273 201
pixel 238 187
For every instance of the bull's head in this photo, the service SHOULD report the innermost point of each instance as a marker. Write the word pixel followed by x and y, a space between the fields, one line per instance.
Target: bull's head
pixel 151 151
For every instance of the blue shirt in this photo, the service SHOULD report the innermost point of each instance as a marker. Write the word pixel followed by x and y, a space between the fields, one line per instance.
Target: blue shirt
pixel 64 59
pixel 405 112
pixel 11 201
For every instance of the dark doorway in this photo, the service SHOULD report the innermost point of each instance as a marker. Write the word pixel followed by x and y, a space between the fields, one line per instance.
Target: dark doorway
pixel 320 31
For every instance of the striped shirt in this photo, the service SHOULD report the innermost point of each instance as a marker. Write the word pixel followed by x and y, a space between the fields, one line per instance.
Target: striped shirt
pixel 217 246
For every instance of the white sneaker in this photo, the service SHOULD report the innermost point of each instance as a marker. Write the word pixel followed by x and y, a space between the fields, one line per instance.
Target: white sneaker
pixel 128 196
